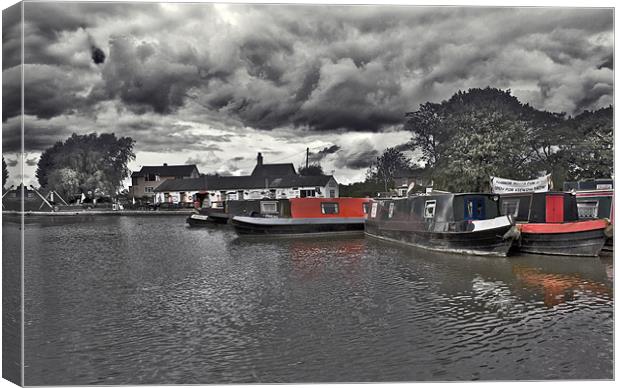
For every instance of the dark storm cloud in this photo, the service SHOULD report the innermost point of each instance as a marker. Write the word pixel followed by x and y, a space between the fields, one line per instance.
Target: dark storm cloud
pixel 359 156
pixel 323 68
pixel 320 155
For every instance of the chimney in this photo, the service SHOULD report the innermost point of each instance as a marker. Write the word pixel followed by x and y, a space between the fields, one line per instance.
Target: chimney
pixel 259 159
pixel 165 164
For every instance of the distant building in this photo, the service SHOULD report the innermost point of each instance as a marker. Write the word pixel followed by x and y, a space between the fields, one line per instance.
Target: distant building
pixel 266 181
pixel 414 179
pixel 144 182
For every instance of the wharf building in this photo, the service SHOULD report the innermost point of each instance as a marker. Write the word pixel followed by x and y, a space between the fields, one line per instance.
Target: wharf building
pixel 273 181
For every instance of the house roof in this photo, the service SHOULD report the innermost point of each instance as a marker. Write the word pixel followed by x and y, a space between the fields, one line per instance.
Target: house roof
pixel 273 170
pixel 241 182
pixel 166 170
pixel 187 184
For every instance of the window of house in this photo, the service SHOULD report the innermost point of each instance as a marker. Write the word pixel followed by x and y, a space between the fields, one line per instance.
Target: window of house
pixel 587 209
pixel 269 207
pixel 332 193
pixel 150 177
pixel 307 193
pixel 429 209
pixel 30 194
pixel 510 206
pixel 329 207
pixel 391 210
pixel 148 189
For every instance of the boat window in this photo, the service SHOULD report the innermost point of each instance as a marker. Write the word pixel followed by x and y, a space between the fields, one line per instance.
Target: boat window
pixel 474 209
pixel 429 209
pixel 510 206
pixel 269 207
pixel 329 207
pixel 365 207
pixel 587 209
pixel 391 212
pixel 373 210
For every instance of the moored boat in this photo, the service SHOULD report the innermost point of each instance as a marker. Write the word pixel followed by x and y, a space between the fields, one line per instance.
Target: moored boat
pixel 306 216
pixel 549 224
pixel 228 209
pixel 461 223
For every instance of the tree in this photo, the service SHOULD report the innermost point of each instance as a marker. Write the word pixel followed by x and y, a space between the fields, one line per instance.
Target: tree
pixel 5 173
pixel 385 168
pixel 86 163
pixel 589 153
pixel 313 170
pixel 485 132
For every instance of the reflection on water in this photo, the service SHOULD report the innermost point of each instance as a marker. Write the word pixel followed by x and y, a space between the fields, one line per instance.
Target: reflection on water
pixel 147 300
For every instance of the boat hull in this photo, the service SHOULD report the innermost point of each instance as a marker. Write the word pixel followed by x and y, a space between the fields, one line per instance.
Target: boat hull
pixel 489 242
pixel 208 216
pixel 256 226
pixel 584 238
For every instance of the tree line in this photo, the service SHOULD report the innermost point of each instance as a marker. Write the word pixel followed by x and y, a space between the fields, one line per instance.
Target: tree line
pixel 479 133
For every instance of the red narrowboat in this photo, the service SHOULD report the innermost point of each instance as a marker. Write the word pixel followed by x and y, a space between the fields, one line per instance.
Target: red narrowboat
pixel 307 216
pixel 549 224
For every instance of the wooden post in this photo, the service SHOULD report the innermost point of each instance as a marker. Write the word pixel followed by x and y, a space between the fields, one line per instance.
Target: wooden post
pixel 307 156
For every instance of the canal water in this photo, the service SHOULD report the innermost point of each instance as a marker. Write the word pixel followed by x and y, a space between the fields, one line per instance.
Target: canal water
pixel 147 300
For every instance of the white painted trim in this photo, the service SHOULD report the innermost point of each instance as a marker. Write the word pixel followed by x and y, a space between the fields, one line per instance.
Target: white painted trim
pixel 493 223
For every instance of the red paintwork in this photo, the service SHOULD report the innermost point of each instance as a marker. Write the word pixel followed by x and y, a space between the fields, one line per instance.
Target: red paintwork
pixel 569 227
pixel 311 207
pixel 555 208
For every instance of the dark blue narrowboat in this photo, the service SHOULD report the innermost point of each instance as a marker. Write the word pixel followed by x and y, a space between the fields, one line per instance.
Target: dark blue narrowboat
pixel 549 224
pixel 468 223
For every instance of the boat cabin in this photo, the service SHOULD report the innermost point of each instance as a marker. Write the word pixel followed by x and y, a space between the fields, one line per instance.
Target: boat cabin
pixel 439 212
pixel 329 207
pixel 546 207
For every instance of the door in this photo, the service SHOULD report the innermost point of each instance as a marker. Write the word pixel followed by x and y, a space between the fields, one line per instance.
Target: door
pixel 474 209
pixel 554 211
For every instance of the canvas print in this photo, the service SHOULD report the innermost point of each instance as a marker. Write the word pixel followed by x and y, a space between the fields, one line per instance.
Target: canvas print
pixel 226 193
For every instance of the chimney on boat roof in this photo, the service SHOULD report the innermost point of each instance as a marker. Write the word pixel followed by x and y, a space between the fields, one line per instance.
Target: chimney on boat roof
pixel 259 159
pixel 165 164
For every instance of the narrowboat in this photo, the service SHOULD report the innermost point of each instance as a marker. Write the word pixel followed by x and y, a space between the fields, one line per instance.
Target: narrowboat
pixel 228 209
pixel 595 199
pixel 305 216
pixel 549 224
pixel 467 223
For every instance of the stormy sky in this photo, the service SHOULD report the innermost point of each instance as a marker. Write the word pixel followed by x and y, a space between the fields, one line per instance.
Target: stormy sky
pixel 215 84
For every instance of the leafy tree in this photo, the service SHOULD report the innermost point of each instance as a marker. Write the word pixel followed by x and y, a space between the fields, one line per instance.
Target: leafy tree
pixel 589 153
pixel 361 189
pixel 83 163
pixel 5 173
pixel 313 170
pixel 385 168
pixel 485 132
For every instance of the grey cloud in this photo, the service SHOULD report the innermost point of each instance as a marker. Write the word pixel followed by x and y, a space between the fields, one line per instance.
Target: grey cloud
pixel 11 162
pixel 32 161
pixel 360 156
pixel 322 68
